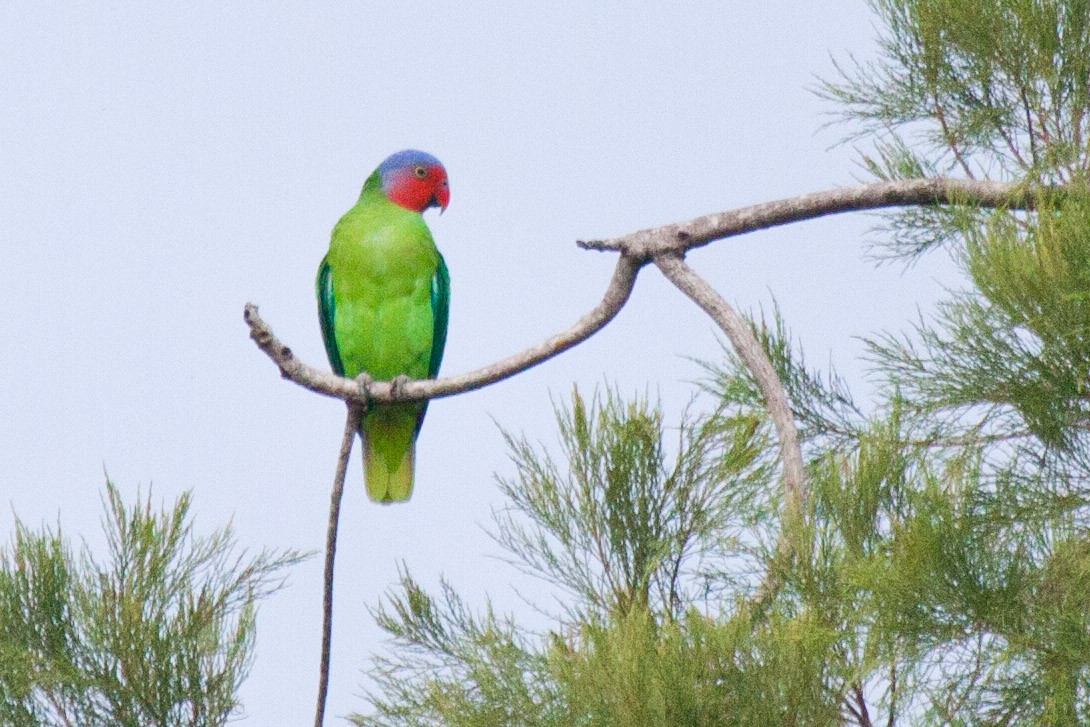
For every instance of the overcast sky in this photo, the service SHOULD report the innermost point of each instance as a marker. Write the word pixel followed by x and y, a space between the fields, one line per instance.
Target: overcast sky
pixel 164 163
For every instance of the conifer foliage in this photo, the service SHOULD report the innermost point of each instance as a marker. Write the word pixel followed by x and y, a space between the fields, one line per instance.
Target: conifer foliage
pixel 160 633
pixel 942 574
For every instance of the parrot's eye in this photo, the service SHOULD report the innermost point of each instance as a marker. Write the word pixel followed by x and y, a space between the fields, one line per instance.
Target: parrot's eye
pixel 420 172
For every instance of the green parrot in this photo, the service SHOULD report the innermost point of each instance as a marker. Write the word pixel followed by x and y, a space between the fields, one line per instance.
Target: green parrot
pixel 383 299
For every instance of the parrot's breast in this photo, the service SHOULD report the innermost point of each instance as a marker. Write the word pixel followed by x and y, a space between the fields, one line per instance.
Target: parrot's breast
pixel 382 267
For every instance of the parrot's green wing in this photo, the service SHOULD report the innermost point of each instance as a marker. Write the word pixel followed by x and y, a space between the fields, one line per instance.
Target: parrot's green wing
pixel 440 309
pixel 326 306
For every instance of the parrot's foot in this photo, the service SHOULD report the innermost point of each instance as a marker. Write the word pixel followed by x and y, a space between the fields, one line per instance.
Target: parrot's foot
pixel 397 385
pixel 363 381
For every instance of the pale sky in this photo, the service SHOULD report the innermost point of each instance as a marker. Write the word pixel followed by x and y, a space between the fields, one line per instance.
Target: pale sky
pixel 165 163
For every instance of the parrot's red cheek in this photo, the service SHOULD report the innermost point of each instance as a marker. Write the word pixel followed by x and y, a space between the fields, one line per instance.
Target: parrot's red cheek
pixel 417 193
pixel 413 194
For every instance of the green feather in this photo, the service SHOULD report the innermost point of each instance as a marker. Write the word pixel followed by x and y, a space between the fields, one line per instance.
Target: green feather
pixel 383 299
pixel 440 308
pixel 326 311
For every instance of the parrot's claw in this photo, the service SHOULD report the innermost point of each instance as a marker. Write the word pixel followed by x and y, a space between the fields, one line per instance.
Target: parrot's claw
pixel 397 385
pixel 363 381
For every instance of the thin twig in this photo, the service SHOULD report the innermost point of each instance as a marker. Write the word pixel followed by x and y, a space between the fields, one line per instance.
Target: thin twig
pixel 948 136
pixel 891 720
pixel 61 710
pixel 861 700
pixel 637 249
pixel 683 236
pixel 950 142
pixel 350 426
pixel 324 382
pixel 673 266
pixel 755 358
pixel 1029 128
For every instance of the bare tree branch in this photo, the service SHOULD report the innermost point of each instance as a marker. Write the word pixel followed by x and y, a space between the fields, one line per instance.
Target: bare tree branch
pixel 665 245
pixel 324 382
pixel 637 249
pixel 683 236
pixel 673 266
pixel 350 425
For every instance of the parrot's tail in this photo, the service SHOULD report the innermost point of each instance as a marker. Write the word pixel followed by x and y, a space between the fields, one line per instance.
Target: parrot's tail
pixel 389 452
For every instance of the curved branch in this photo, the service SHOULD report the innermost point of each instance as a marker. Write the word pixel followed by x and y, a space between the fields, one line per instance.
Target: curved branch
pixel 684 236
pixel 324 382
pixel 350 426
pixel 667 246
pixel 673 266
pixel 637 249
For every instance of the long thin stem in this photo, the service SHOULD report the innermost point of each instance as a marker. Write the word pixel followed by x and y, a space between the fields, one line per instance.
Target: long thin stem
pixel 948 137
pixel 755 358
pixel 861 700
pixel 743 341
pixel 350 426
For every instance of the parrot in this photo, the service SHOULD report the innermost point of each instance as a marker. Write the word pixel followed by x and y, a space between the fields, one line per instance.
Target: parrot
pixel 383 303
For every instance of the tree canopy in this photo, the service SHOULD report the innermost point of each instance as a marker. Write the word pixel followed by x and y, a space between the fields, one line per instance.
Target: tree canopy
pixel 941 574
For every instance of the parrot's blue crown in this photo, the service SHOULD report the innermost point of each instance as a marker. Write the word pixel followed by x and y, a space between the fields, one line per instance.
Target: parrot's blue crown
pixel 406 158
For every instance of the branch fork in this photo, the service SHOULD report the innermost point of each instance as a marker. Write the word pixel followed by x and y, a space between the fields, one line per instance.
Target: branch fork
pixel 665 247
